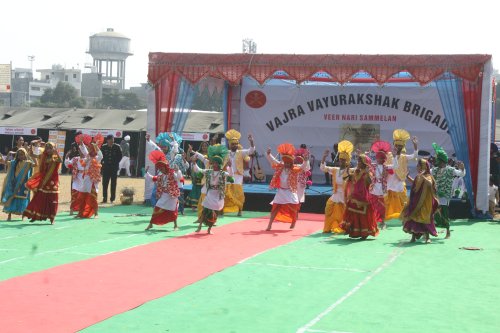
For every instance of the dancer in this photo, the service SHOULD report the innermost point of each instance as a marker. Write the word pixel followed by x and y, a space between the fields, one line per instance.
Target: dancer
pixel 303 180
pixel 77 166
pixel 45 185
pixel 215 183
pixel 443 175
pixel 15 195
pixel 381 174
pixel 359 217
pixel 148 183
pixel 167 191
pixel 397 195
pixel 197 178
pixel 335 206
pixel 87 196
pixel 169 144
pixel 286 203
pixel 418 214
pixel 235 198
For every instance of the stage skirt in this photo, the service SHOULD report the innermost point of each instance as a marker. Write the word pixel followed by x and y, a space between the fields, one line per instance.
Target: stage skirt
pixel 43 206
pixel 418 228
pixel 235 198
pixel 286 212
pixel 162 216
pixel 16 206
pixel 87 203
pixel 359 221
pixel 334 216
pixel 394 204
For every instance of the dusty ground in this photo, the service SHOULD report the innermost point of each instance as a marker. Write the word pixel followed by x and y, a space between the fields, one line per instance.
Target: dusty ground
pixel 65 191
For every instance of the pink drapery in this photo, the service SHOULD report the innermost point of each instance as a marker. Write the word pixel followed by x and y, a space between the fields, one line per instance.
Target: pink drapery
pixel 472 106
pixel 166 99
pixel 233 67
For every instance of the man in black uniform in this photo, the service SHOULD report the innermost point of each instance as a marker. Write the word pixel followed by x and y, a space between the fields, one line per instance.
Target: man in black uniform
pixel 111 156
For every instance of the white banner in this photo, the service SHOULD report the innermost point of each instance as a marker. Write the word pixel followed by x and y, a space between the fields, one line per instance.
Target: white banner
pixel 195 136
pixel 91 132
pixel 18 131
pixel 321 115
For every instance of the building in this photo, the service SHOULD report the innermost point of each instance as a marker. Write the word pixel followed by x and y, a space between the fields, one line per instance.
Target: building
pixel 20 79
pixel 49 78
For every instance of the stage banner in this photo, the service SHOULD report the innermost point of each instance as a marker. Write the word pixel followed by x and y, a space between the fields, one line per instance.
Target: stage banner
pixel 321 115
pixel 116 133
pixel 18 131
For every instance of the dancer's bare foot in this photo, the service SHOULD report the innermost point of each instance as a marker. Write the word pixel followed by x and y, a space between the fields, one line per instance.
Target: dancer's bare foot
pixel 413 238
pixel 9 217
pixel 32 220
pixel 149 227
pixel 176 228
pixel 292 225
pixel 198 230
pixel 210 232
pixel 364 237
pixel 239 214
pixel 448 234
pixel 52 221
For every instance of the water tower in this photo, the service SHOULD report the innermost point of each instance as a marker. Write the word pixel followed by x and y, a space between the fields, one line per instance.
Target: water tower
pixel 109 50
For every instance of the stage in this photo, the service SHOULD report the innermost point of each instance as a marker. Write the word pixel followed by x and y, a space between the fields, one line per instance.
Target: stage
pixel 258 196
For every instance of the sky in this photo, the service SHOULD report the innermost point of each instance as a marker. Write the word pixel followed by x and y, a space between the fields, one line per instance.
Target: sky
pixel 57 32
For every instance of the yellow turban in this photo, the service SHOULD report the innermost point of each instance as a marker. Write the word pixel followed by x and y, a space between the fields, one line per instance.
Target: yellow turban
pixel 345 149
pixel 233 136
pixel 400 136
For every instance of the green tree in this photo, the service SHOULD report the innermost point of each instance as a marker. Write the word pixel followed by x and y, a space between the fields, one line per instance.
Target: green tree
pixel 120 100
pixel 63 95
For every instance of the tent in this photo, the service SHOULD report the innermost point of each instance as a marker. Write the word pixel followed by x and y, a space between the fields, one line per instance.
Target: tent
pixel 464 83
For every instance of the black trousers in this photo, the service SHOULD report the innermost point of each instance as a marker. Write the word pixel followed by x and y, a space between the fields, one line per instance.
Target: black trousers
pixel 108 175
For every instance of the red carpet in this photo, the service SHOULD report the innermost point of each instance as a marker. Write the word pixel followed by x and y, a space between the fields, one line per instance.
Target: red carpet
pixel 71 297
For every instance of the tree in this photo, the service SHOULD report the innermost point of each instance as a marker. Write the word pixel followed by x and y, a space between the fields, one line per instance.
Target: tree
pixel 63 95
pixel 117 100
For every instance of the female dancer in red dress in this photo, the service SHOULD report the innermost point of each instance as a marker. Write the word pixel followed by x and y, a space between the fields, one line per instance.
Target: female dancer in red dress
pixel 360 219
pixel 45 186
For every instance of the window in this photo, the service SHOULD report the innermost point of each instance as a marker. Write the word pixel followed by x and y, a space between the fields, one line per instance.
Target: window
pixel 35 88
pixel 47 77
pixel 74 76
pixel 66 78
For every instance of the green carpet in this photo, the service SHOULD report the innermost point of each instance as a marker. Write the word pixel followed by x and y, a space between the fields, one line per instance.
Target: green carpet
pixel 28 247
pixel 380 285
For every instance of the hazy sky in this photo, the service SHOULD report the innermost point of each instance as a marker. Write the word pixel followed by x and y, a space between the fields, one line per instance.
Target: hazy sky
pixel 58 31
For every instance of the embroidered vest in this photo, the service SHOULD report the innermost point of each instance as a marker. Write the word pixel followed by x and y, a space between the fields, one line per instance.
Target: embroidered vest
pixel 292 178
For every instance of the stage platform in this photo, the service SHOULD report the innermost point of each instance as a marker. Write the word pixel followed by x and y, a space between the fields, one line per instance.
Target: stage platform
pixel 258 196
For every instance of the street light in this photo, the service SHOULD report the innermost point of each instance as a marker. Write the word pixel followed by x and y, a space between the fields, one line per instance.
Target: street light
pixel 31 59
